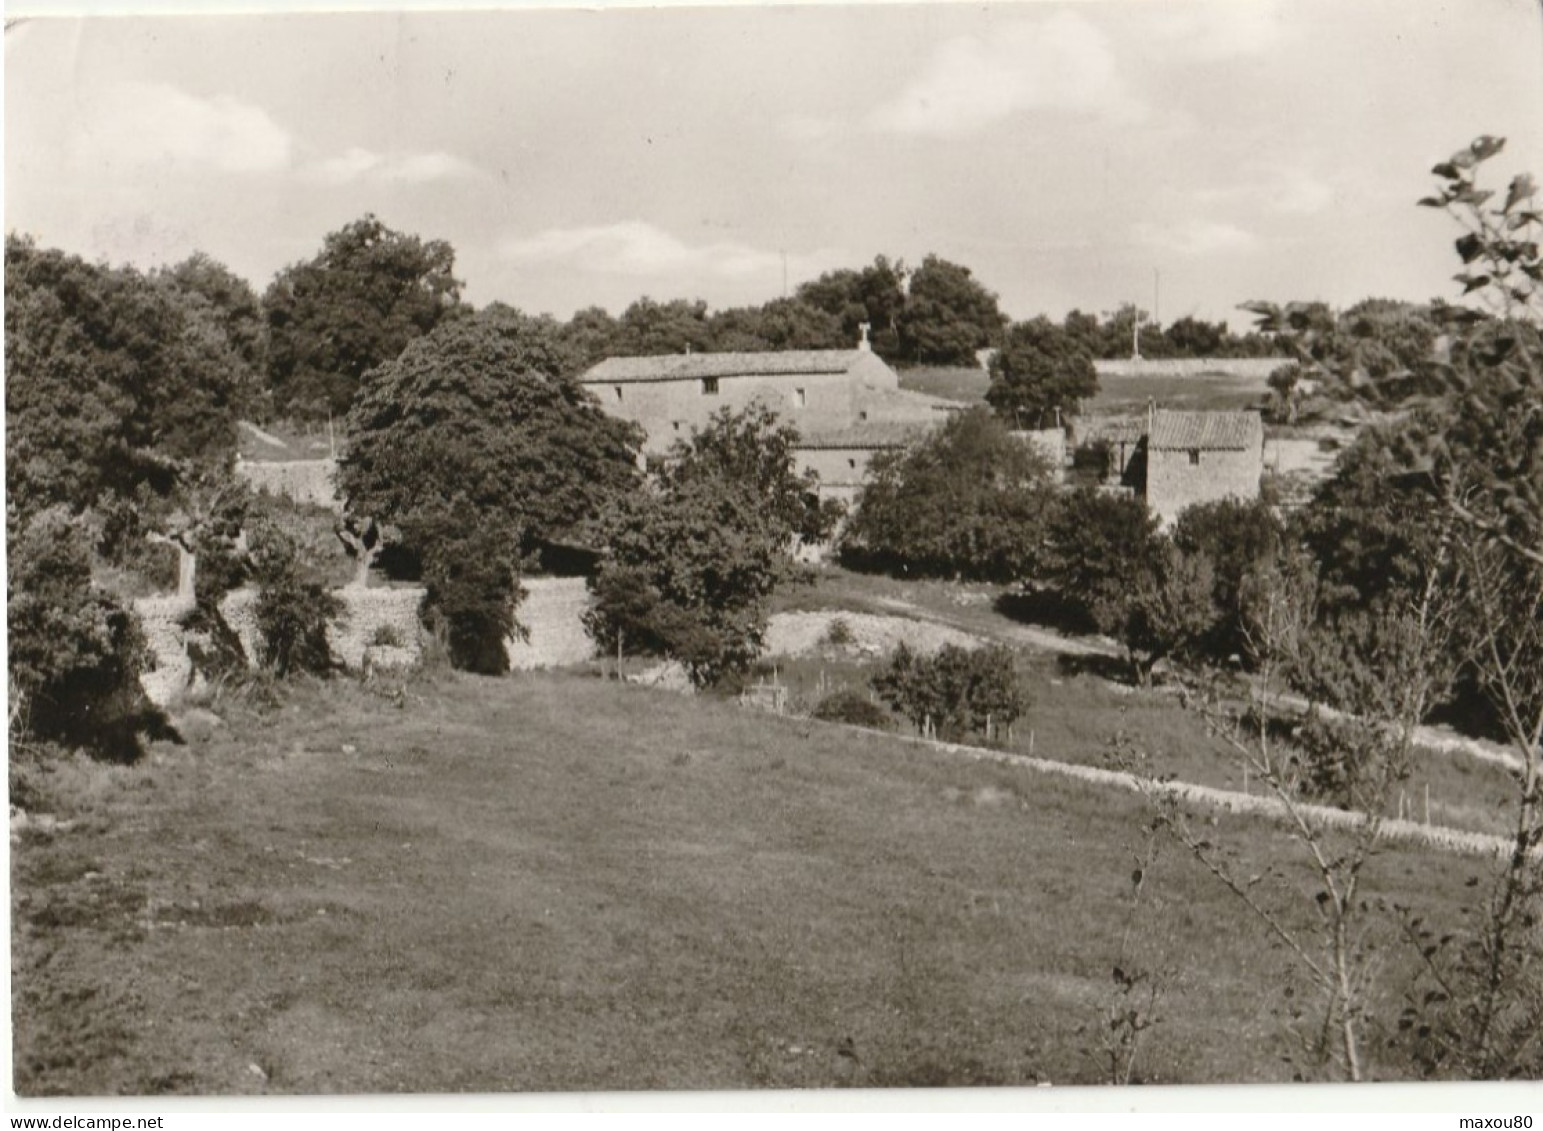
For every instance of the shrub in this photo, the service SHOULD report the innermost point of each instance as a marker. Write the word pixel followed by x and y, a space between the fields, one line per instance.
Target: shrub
pixel 292 611
pixel 473 588
pixel 386 636
pixel 853 708
pixel 839 633
pixel 75 653
pixel 956 692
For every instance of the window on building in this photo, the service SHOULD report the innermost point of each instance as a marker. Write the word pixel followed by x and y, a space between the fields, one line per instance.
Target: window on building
pixel 618 391
pixel 799 399
pixel 709 386
pixel 675 424
pixel 1194 457
pixel 852 463
pixel 862 414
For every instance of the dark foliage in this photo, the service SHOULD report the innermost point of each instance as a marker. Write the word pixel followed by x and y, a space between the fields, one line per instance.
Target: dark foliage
pixel 331 319
pixel 854 709
pixel 958 691
pixel 293 610
pixel 1040 375
pixel 113 383
pixel 75 654
pixel 968 501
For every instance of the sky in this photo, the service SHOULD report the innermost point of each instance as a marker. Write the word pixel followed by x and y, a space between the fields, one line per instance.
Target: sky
pixel 1186 156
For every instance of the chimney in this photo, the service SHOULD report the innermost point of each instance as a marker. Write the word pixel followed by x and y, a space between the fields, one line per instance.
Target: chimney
pixel 862 343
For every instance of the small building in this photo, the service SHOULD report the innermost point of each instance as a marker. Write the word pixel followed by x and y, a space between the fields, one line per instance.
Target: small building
pixel 1201 457
pixel 840 456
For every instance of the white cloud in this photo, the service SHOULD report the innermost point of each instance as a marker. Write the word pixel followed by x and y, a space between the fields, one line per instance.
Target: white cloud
pixel 1218 29
pixel 1275 188
pixel 1300 194
pixel 1194 237
pixel 1059 63
pixel 358 164
pixel 638 248
pixel 134 124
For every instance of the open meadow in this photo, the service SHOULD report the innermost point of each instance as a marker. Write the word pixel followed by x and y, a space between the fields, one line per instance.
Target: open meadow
pixel 551 882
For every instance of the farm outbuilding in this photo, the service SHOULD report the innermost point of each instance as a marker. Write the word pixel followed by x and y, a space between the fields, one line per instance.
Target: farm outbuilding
pixel 1201 457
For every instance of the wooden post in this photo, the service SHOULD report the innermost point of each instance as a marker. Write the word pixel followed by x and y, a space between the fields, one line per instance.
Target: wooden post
pixel 1427 803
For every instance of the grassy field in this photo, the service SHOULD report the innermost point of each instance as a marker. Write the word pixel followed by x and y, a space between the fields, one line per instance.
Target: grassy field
pixel 1115 394
pixel 556 883
pixel 1077 713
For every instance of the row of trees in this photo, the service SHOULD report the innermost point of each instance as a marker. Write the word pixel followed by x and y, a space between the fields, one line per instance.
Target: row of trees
pixel 370 291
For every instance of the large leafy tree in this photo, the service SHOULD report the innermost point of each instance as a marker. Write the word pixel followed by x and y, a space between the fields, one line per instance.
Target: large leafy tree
pixel 1041 372
pixel 692 560
pixel 230 305
pixel 1238 538
pixel 472 447
pixel 874 295
pixel 331 319
pixel 648 327
pixel 112 382
pixel 969 500
pixel 948 315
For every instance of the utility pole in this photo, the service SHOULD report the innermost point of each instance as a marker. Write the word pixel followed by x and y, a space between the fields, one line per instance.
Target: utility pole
pixel 1157 302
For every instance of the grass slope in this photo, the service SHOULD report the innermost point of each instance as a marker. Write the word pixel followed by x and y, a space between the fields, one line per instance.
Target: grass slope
pixel 553 883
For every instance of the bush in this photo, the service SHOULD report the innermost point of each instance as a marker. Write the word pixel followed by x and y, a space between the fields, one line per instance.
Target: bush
pixel 473 588
pixel 386 636
pixel 839 633
pixel 957 692
pixel 853 708
pixel 292 611
pixel 75 653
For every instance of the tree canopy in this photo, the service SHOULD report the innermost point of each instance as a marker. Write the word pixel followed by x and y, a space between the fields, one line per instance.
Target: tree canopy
pixel 948 316
pixel 969 500
pixel 691 561
pixel 473 412
pixel 112 382
pixel 357 303
pixel 481 457
pixel 1040 373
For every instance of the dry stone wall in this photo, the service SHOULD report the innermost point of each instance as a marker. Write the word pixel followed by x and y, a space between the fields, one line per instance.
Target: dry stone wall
pixel 302 481
pixel 551 611
pixel 380 629
pixel 1244 368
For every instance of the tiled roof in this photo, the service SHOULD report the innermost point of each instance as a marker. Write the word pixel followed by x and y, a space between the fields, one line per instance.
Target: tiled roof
pixel 1091 429
pixel 904 405
pixel 694 366
pixel 867 435
pixel 1205 431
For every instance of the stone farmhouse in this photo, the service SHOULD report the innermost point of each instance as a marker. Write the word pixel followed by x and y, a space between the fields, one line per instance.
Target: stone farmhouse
pixel 1178 459
pixel 846 404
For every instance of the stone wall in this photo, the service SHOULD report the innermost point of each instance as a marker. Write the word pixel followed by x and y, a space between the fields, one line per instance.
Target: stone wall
pixel 1173 483
pixel 368 615
pixel 551 611
pixel 1243 368
pixel 303 480
pixel 171 670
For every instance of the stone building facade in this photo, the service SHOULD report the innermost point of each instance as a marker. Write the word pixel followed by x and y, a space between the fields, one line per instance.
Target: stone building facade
pixel 846 404
pixel 1201 457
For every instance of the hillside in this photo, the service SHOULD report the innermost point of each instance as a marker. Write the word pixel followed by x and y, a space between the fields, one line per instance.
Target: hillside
pixel 555 883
